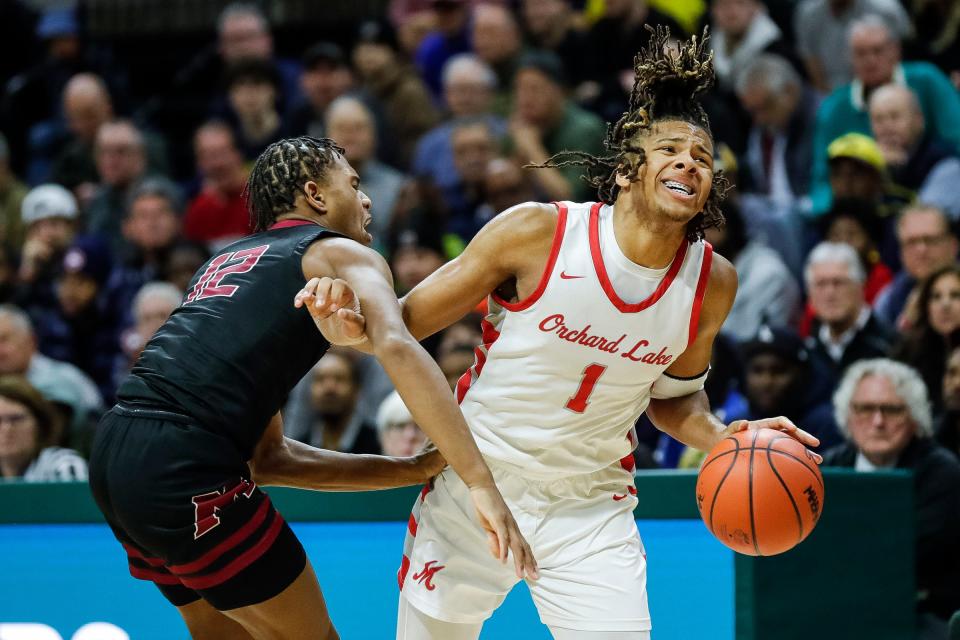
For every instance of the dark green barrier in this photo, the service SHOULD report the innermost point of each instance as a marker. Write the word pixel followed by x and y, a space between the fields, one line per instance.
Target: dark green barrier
pixel 852 579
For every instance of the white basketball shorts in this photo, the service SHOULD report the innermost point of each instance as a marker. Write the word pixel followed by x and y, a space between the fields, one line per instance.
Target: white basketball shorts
pixel 592 563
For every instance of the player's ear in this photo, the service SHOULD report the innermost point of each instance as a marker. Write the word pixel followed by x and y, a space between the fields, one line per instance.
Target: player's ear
pixel 621 178
pixel 314 196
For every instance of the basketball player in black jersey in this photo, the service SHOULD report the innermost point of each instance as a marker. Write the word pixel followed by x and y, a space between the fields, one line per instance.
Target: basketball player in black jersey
pixel 176 463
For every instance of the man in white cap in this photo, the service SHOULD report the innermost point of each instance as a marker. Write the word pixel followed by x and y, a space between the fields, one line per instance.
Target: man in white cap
pixel 49 213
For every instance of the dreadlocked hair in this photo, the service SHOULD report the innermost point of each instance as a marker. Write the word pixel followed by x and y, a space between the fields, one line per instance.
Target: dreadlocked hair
pixel 280 173
pixel 667 85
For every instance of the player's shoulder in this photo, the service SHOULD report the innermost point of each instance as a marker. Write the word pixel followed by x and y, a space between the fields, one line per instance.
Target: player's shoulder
pixel 723 277
pixel 525 221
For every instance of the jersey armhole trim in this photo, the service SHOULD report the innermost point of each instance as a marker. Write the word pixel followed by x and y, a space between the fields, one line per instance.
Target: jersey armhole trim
pixel 547 271
pixel 701 289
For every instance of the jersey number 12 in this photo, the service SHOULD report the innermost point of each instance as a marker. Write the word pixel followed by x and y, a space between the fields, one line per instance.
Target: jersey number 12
pixel 578 403
pixel 208 286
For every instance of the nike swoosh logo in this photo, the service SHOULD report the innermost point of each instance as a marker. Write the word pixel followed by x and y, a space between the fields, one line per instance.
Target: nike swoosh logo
pixel 618 497
pixel 564 276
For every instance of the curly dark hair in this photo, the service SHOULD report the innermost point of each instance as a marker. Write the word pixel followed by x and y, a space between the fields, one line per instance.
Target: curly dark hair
pixel 666 87
pixel 280 173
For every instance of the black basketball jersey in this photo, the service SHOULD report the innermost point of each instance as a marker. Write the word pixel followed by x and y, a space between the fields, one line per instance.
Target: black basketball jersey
pixel 229 355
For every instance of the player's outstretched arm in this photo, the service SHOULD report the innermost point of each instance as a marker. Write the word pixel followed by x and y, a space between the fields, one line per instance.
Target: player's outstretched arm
pixel 420 383
pixel 283 462
pixel 687 418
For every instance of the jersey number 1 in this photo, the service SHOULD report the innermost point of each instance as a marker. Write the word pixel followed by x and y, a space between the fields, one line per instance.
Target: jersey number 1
pixel 208 286
pixel 580 399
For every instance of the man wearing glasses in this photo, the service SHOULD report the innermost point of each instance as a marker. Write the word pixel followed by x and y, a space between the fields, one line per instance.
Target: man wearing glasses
pixel 882 409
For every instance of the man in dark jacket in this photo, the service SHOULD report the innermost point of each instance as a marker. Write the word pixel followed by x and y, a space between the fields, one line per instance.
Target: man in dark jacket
pixel 882 408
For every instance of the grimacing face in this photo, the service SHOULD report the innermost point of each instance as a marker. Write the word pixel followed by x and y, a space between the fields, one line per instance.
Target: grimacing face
pixel 677 173
pixel 346 207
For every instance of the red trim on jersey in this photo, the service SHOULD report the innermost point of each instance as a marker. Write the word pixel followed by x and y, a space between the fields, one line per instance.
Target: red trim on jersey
pixel 548 270
pixel 152 575
pixel 490 335
pixel 412 528
pixel 289 222
pixel 701 288
pixel 628 463
pixel 402 573
pixel 605 279
pixel 240 563
pixel 235 538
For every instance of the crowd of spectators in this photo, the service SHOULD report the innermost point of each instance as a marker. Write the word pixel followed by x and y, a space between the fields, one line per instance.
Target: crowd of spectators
pixel 836 121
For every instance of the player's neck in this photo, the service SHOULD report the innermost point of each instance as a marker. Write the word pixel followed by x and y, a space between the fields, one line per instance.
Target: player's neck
pixel 645 242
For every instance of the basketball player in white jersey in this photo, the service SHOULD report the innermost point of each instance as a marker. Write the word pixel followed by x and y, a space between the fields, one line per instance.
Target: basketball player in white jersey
pixel 597 313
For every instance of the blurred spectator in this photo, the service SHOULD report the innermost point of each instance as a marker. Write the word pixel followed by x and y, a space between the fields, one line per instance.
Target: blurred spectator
pixel 781 380
pixel 455 361
pixel 875 52
pixel 505 184
pixel 782 110
pixel 19 356
pixel 351 124
pixel 948 422
pixel 496 39
pixel 12 192
pixel 844 327
pixel 468 89
pixel 151 307
pixel 150 228
pixel 81 329
pixel 767 293
pixel 927 243
pixel 917 161
pixel 87 106
pixel 545 122
pixel 416 253
pixel 935 330
pixel 881 407
pixel 185 260
pixel 121 160
pixel 552 25
pixel 29 432
pixel 413 21
pixel 325 77
pixel 740 31
pixel 452 18
pixel 474 147
pixel 617 37
pixel 407 103
pixel 855 222
pixel 49 214
pixel 253 87
pixel 335 423
pixel 399 435
pixel 822 32
pixel 243 33
pixel 218 214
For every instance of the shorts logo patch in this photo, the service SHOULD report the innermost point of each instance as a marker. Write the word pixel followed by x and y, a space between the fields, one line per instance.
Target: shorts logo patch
pixel 426 576
pixel 206 505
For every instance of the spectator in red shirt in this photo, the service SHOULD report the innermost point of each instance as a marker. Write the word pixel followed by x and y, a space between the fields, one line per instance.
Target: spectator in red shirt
pixel 218 214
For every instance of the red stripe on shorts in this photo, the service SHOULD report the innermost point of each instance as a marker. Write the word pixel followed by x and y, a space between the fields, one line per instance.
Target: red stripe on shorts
pixel 159 577
pixel 402 573
pixel 236 538
pixel 240 563
pixel 133 552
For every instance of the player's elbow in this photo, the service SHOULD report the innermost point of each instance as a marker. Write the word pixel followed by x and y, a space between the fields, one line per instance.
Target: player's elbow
pixel 393 345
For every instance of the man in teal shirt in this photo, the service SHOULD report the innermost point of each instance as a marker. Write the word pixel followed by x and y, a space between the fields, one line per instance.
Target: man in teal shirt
pixel 876 61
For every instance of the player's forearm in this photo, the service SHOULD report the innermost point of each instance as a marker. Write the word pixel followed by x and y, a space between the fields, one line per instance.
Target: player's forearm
pixel 298 465
pixel 687 419
pixel 427 395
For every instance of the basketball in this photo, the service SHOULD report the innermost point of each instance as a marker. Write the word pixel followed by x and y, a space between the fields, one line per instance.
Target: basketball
pixel 760 492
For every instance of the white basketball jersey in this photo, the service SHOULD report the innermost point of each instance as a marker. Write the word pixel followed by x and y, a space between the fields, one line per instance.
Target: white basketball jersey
pixel 563 375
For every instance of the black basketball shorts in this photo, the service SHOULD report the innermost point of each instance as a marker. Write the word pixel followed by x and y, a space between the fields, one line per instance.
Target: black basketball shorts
pixel 181 502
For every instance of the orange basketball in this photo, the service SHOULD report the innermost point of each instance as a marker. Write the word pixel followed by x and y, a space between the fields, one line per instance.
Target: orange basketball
pixel 760 492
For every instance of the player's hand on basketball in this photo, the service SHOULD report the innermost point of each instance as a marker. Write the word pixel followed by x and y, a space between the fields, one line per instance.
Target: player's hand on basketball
pixel 779 423
pixel 335 309
pixel 502 531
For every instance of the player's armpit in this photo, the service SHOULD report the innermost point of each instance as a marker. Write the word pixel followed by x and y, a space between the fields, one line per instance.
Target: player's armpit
pixel 514 245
